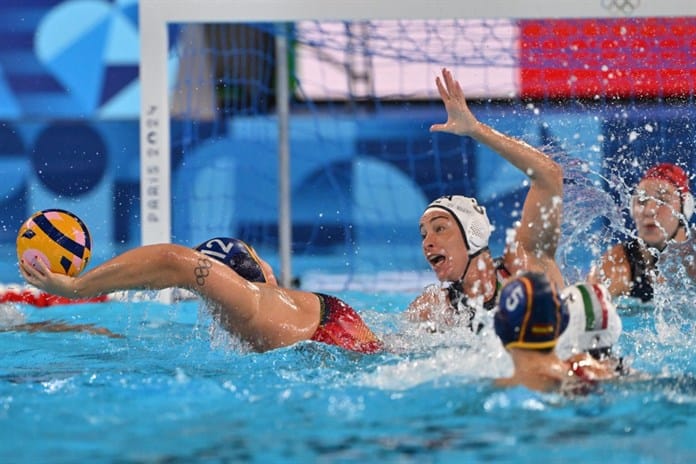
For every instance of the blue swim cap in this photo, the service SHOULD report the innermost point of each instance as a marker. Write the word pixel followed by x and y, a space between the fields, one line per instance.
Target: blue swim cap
pixel 236 254
pixel 530 314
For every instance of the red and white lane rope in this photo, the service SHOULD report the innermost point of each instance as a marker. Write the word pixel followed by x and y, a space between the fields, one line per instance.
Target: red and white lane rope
pixel 30 295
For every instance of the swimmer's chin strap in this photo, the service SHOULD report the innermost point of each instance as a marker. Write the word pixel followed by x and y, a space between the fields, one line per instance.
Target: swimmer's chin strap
pixel 468 263
pixel 674 234
pixel 671 237
pixel 458 299
pixel 682 223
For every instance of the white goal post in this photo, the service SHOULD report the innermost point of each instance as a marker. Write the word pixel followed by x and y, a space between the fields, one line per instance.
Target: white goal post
pixel 156 15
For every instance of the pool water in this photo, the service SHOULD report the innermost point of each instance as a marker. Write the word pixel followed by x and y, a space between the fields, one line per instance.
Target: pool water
pixel 174 389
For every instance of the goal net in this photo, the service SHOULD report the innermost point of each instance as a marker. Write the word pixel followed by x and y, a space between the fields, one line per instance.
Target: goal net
pixel 319 113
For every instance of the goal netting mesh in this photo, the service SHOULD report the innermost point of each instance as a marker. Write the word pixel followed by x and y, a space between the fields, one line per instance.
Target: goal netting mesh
pixel 604 96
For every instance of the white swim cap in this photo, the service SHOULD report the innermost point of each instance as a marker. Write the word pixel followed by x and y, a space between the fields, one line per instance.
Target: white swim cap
pixel 472 218
pixel 594 322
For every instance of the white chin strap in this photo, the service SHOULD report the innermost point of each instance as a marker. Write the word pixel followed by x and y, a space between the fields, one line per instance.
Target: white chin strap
pixel 687 206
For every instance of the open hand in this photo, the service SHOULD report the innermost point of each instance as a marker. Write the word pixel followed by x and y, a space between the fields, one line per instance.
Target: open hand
pixel 460 120
pixel 39 275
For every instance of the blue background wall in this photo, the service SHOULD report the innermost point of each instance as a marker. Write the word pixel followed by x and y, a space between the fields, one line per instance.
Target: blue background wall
pixel 69 106
pixel 69 103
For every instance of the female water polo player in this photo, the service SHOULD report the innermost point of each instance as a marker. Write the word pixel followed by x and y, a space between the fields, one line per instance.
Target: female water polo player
pixel 530 318
pixel 242 293
pixel 455 229
pixel 594 328
pixel 661 207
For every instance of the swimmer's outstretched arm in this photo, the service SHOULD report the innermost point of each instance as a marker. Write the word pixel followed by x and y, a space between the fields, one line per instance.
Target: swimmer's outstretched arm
pixel 151 267
pixel 541 214
pixel 237 303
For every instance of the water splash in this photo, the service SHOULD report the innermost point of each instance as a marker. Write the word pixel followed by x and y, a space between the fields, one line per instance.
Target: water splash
pixel 10 315
pixel 441 350
pixel 592 217
pixel 658 336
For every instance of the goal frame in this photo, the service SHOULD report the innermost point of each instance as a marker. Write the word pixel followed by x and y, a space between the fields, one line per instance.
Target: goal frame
pixel 156 15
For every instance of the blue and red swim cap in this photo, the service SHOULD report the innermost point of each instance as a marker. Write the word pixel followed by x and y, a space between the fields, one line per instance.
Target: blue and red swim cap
pixel 237 254
pixel 530 313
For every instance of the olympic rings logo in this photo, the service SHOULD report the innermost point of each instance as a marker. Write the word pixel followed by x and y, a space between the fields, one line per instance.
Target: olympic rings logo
pixel 623 6
pixel 202 271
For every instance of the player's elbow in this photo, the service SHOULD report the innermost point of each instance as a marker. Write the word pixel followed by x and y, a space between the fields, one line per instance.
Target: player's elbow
pixel 548 176
pixel 553 178
pixel 174 264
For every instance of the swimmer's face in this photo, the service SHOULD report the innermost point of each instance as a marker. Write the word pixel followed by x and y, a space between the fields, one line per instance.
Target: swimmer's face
pixel 656 208
pixel 443 244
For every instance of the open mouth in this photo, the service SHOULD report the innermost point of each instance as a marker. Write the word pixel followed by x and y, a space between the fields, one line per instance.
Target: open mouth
pixel 434 260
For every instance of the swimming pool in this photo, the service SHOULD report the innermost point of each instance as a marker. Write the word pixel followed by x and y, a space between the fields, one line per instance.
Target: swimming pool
pixel 174 390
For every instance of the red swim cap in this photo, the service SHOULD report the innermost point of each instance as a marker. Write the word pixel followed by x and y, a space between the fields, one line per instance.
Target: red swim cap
pixel 671 173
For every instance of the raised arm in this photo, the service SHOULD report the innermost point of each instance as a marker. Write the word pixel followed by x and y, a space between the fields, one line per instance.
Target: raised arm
pixel 539 229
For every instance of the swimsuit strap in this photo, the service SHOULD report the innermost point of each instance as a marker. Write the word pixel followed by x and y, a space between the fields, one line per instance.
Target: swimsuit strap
pixel 323 313
pixel 460 304
pixel 459 301
pixel 642 284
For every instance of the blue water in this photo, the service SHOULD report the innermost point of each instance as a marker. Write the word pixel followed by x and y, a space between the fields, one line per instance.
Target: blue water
pixel 174 389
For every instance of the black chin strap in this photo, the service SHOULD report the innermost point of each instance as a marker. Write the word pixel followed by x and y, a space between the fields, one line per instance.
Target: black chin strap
pixel 456 289
pixel 682 223
pixel 671 237
pixel 468 263
pixel 456 295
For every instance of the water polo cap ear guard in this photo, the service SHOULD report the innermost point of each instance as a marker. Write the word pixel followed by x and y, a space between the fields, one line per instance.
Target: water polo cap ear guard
pixel 237 255
pixel 687 205
pixel 472 220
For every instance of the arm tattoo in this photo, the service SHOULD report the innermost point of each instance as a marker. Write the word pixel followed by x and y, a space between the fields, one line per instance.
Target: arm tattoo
pixel 202 271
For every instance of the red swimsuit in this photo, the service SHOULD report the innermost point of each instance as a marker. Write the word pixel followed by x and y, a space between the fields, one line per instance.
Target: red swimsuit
pixel 340 325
